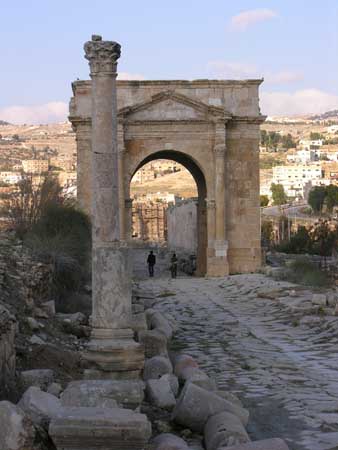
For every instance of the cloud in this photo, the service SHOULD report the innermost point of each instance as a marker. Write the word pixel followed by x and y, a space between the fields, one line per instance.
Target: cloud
pixel 242 21
pixel 46 113
pixel 306 101
pixel 236 70
pixel 130 76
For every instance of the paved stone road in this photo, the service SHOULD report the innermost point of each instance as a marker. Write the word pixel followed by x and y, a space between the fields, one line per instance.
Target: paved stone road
pixel 285 372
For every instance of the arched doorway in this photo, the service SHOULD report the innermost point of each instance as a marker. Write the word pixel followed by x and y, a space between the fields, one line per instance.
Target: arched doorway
pixel 187 162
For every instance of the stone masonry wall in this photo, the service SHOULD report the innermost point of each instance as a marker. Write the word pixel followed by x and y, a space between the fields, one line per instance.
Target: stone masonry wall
pixel 182 227
pixel 7 348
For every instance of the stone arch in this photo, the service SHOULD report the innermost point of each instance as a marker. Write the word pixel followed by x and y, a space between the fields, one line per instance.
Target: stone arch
pixel 197 173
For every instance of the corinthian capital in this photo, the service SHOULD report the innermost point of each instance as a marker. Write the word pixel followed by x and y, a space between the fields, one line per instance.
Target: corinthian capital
pixel 102 55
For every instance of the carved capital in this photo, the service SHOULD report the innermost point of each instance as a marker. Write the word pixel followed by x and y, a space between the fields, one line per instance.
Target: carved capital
pixel 102 55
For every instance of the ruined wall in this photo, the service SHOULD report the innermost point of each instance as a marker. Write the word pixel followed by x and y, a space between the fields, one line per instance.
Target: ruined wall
pixel 182 227
pixel 7 348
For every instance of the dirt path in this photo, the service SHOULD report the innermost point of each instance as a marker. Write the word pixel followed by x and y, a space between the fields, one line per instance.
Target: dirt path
pixel 285 374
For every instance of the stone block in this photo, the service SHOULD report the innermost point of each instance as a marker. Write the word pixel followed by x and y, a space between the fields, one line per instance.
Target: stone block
pixel 319 299
pixel 100 429
pixel 160 323
pixel 40 378
pixel 155 367
pixel 16 429
pixel 54 389
pixel 230 397
pixel 173 381
pixel 266 444
pixel 160 394
pixel 103 394
pixel 198 377
pixel 40 406
pixel 49 308
pixel 195 405
pixel 183 362
pixel 168 441
pixel 224 429
pixel 138 322
pixel 154 342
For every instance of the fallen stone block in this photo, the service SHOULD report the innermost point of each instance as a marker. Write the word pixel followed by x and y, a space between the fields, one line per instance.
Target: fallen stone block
pixel 100 429
pixel 16 429
pixel 160 394
pixel 319 299
pixel 266 444
pixel 48 308
pixel 33 324
pixel 40 378
pixel 168 441
pixel 195 405
pixel 137 308
pixel 154 342
pixel 173 381
pixel 230 397
pixel 160 323
pixel 183 362
pixel 155 367
pixel 103 393
pixel 36 340
pixel 198 377
pixel 40 406
pixel 224 429
pixel 138 322
pixel 54 389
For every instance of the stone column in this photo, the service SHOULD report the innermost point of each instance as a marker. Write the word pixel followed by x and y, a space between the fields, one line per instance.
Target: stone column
pixel 220 262
pixel 128 218
pixel 82 128
pixel 121 158
pixel 112 351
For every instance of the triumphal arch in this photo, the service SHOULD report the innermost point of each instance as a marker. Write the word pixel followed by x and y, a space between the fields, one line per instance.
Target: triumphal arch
pixel 212 127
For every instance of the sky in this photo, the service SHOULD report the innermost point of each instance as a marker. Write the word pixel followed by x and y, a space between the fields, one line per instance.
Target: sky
pixel 293 44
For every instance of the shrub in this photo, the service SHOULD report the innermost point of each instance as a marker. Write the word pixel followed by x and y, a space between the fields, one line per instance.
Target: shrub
pixel 304 271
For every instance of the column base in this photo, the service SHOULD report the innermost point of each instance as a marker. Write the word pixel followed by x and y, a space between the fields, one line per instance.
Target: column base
pixel 115 357
pixel 217 264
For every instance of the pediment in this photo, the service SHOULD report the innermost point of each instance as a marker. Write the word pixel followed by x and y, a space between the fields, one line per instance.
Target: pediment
pixel 171 106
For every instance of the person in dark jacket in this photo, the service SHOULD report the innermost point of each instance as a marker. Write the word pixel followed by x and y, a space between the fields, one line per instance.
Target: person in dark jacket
pixel 173 266
pixel 151 263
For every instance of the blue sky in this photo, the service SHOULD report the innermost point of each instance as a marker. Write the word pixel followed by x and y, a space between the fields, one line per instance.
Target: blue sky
pixel 293 44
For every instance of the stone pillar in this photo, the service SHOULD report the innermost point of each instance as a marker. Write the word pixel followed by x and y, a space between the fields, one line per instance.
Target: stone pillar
pixel 112 351
pixel 82 128
pixel 128 218
pixel 121 158
pixel 219 263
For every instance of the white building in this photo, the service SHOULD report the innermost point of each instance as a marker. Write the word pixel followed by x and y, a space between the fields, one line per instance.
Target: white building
pixel 10 177
pixel 294 178
pixel 304 156
pixel 332 129
pixel 308 144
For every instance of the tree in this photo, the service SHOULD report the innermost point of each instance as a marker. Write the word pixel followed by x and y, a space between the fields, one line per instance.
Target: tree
pixel 264 199
pixel 317 197
pixel 279 196
pixel 288 141
pixel 331 199
pixel 315 136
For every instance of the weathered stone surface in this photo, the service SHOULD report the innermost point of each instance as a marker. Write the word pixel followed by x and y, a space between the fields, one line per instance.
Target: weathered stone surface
pixel 49 308
pixel 54 389
pixel 159 393
pixel 195 405
pixel 319 299
pixel 16 429
pixel 40 406
pixel 224 429
pixel 160 323
pixel 103 393
pixel 173 381
pixel 33 324
pixel 198 377
pixel 154 342
pixel 138 322
pixel 266 444
pixel 100 429
pixel 230 397
pixel 168 441
pixel 36 340
pixel 40 378
pixel 155 367
pixel 183 362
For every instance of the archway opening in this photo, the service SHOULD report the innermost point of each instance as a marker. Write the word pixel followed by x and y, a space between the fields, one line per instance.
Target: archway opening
pixel 168 190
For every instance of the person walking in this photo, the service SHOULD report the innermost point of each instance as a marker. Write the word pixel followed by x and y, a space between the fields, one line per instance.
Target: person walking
pixel 151 261
pixel 173 266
